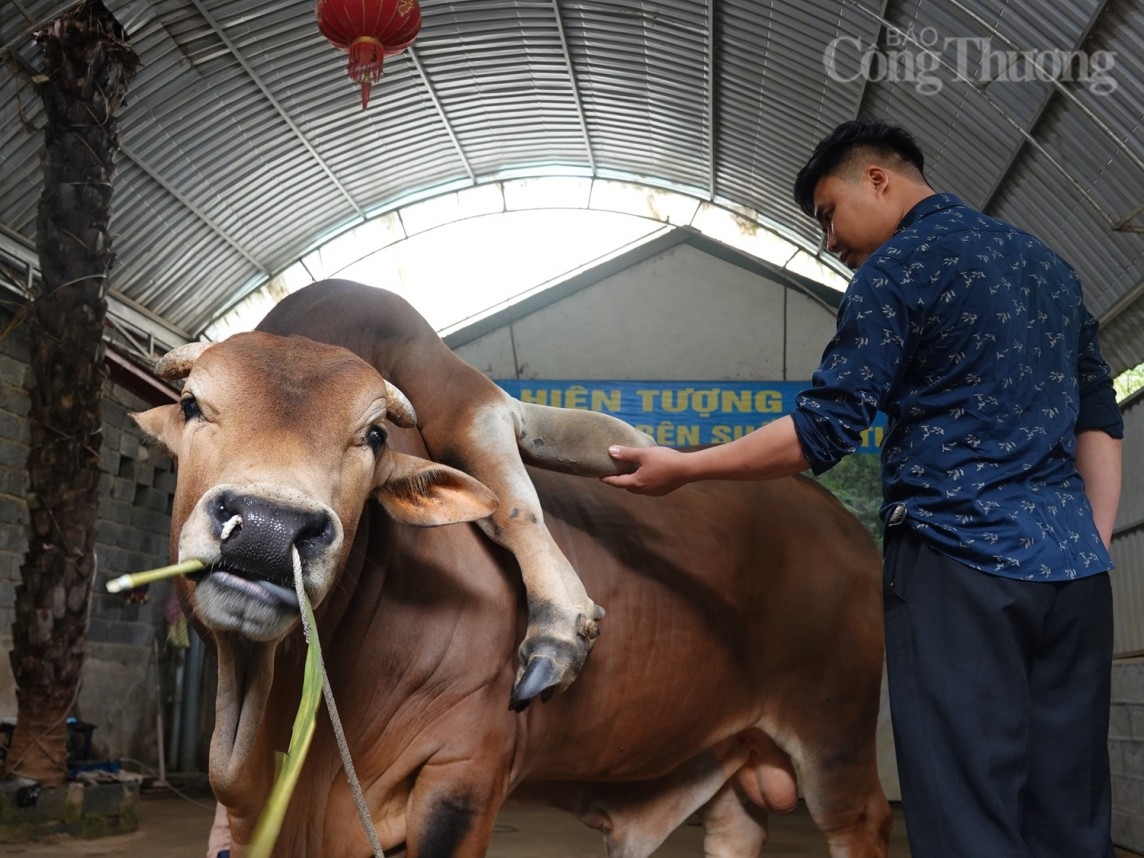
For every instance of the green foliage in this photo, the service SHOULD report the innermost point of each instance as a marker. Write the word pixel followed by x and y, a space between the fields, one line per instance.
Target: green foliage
pixel 1128 382
pixel 857 482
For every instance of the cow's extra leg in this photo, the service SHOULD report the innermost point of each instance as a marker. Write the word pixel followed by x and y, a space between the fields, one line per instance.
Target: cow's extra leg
pixel 572 441
pixel 575 442
pixel 562 618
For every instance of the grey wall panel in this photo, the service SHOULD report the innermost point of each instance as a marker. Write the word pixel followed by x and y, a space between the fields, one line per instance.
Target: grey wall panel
pixel 1128 541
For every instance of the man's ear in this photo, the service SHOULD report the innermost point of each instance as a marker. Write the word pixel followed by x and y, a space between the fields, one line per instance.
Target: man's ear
pixel 427 494
pixel 878 177
pixel 159 427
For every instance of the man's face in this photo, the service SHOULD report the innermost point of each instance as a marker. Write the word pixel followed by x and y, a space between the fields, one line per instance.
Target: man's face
pixel 855 214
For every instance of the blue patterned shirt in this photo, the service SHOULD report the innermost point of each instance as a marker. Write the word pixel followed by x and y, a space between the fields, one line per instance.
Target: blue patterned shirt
pixel 973 338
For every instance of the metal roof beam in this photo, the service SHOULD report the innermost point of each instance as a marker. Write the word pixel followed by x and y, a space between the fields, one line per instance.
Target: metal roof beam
pixel 883 19
pixel 441 113
pixel 1042 109
pixel 277 105
pixel 1004 114
pixel 120 307
pixel 1134 295
pixel 34 25
pixel 195 210
pixel 1057 85
pixel 575 87
pixel 710 99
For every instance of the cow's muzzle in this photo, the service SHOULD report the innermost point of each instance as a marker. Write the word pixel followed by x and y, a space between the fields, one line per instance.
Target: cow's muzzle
pixel 260 536
pixel 249 537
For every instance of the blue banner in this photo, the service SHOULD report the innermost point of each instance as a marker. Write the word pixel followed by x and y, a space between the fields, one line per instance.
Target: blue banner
pixel 681 413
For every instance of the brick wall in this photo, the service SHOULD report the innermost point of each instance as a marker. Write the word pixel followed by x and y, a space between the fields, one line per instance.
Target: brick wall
pixel 13 474
pixel 120 690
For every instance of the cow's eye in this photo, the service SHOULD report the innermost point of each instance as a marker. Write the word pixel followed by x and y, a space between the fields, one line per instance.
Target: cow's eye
pixel 190 408
pixel 375 437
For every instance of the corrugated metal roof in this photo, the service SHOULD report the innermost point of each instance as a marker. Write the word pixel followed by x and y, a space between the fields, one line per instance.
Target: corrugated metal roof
pixel 245 145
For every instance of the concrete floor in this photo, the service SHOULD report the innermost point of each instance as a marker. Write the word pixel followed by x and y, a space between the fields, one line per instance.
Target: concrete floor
pixel 174 827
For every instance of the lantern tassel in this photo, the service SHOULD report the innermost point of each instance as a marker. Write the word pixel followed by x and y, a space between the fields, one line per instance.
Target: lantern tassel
pixel 366 56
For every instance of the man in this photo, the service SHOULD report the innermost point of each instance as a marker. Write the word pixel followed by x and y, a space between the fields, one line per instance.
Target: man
pixel 1001 480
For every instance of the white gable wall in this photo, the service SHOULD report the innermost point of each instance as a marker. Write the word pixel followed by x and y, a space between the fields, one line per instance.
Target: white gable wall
pixel 683 314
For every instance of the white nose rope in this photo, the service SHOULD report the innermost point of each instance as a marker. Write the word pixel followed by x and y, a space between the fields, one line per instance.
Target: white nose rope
pixel 335 720
pixel 229 527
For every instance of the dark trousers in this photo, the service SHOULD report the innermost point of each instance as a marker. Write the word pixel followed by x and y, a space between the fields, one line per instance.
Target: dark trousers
pixel 999 697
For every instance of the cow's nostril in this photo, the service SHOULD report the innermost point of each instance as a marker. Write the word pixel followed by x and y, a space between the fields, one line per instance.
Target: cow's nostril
pixel 315 535
pixel 223 512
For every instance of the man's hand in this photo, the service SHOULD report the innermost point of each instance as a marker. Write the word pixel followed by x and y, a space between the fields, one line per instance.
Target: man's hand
pixel 647 470
pixel 770 452
pixel 1098 460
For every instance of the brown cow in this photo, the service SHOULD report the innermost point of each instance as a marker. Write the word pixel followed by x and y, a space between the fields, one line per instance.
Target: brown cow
pixel 744 644
pixel 470 423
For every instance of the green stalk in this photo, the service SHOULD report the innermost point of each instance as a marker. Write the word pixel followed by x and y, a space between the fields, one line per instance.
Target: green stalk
pixel 270 823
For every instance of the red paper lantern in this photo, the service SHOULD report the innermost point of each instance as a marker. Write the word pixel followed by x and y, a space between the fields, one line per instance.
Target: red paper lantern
pixel 370 30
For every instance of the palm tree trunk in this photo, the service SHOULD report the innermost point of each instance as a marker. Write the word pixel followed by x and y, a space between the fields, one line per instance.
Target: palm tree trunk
pixel 87 66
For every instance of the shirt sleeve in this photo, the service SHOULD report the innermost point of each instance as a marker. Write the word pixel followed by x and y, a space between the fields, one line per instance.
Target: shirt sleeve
pixel 1098 408
pixel 859 367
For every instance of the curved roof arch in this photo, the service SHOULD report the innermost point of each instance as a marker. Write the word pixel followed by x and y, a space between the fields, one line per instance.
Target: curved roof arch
pixel 507 239
pixel 244 144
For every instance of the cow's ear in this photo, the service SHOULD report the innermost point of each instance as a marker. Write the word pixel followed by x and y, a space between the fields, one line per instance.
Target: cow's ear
pixel 427 494
pixel 159 427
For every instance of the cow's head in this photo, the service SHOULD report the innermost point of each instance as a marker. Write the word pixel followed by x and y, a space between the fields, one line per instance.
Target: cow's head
pixel 279 443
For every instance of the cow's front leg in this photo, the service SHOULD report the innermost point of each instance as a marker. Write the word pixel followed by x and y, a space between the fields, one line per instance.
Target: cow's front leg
pixel 451 815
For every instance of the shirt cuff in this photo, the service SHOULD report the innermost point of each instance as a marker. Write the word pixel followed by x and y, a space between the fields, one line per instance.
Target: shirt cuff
pixel 1098 410
pixel 817 448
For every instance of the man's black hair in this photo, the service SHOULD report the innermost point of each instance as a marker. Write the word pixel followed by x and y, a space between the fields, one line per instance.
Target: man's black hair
pixel 833 150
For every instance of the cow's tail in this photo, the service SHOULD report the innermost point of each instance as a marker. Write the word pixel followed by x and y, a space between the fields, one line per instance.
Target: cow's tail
pixel 573 441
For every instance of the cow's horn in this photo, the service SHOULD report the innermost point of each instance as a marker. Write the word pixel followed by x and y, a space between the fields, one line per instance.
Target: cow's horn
pixel 177 363
pixel 398 408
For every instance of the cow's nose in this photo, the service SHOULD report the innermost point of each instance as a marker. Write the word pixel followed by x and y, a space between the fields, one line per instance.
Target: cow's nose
pixel 258 535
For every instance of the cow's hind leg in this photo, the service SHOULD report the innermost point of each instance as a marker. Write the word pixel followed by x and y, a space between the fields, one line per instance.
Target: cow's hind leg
pixel 846 801
pixel 635 818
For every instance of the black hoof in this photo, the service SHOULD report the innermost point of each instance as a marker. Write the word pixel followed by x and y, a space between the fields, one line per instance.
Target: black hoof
pixel 540 677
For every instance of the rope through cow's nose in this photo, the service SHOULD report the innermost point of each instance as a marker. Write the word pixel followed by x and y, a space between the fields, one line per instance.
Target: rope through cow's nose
pixel 228 528
pixel 332 710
